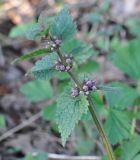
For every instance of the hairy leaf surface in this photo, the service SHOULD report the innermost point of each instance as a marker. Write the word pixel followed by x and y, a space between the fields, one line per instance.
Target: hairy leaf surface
pixel 44 69
pixel 63 26
pixel 69 112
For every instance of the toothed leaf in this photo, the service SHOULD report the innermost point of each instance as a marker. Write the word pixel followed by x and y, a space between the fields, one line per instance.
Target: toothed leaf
pixel 44 69
pixel 63 26
pixel 69 112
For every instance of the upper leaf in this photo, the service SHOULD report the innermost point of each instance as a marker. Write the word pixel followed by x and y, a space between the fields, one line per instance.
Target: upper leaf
pixel 44 69
pixel 123 98
pixel 127 58
pixel 69 112
pixel 117 126
pixel 63 26
pixel 37 90
pixel 32 54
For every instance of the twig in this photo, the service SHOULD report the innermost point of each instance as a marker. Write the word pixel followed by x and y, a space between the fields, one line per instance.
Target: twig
pixel 20 126
pixel 66 157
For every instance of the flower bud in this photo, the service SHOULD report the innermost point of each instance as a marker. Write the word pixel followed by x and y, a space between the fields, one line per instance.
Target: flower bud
pixel 94 88
pixel 85 88
pixel 68 68
pixel 68 61
pixel 62 68
pixel 89 83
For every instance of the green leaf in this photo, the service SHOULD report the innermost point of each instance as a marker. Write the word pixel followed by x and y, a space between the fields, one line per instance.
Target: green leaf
pixel 44 69
pixel 33 32
pixel 127 58
pixel 137 157
pixel 123 98
pixel 131 148
pixel 80 50
pixel 63 26
pixel 2 121
pixel 117 125
pixel 20 30
pixel 84 144
pixel 89 67
pixel 133 25
pixel 48 113
pixel 32 54
pixel 69 112
pixel 37 90
pixel 72 46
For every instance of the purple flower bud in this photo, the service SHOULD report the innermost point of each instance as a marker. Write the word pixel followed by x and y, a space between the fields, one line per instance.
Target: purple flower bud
pixel 58 42
pixel 75 92
pixel 94 82
pixel 68 61
pixel 85 88
pixel 62 68
pixel 94 88
pixel 68 68
pixel 89 83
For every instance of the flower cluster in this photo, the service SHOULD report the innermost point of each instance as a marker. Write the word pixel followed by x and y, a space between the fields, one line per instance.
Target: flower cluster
pixel 59 66
pixel 55 43
pixel 88 86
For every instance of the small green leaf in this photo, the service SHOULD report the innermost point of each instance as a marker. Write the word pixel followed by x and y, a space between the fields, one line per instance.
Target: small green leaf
pixel 32 54
pixel 127 58
pixel 44 69
pixel 33 32
pixel 89 67
pixel 48 113
pixel 117 126
pixel 37 90
pixel 63 26
pixel 20 30
pixel 69 112
pixel 72 46
pixel 123 98
pixel 2 121
pixel 131 148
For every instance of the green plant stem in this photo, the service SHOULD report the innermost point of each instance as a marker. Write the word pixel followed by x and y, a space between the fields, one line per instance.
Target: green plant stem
pixel 91 108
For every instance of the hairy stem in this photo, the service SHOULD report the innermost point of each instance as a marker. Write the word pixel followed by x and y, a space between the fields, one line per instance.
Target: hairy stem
pixel 91 108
